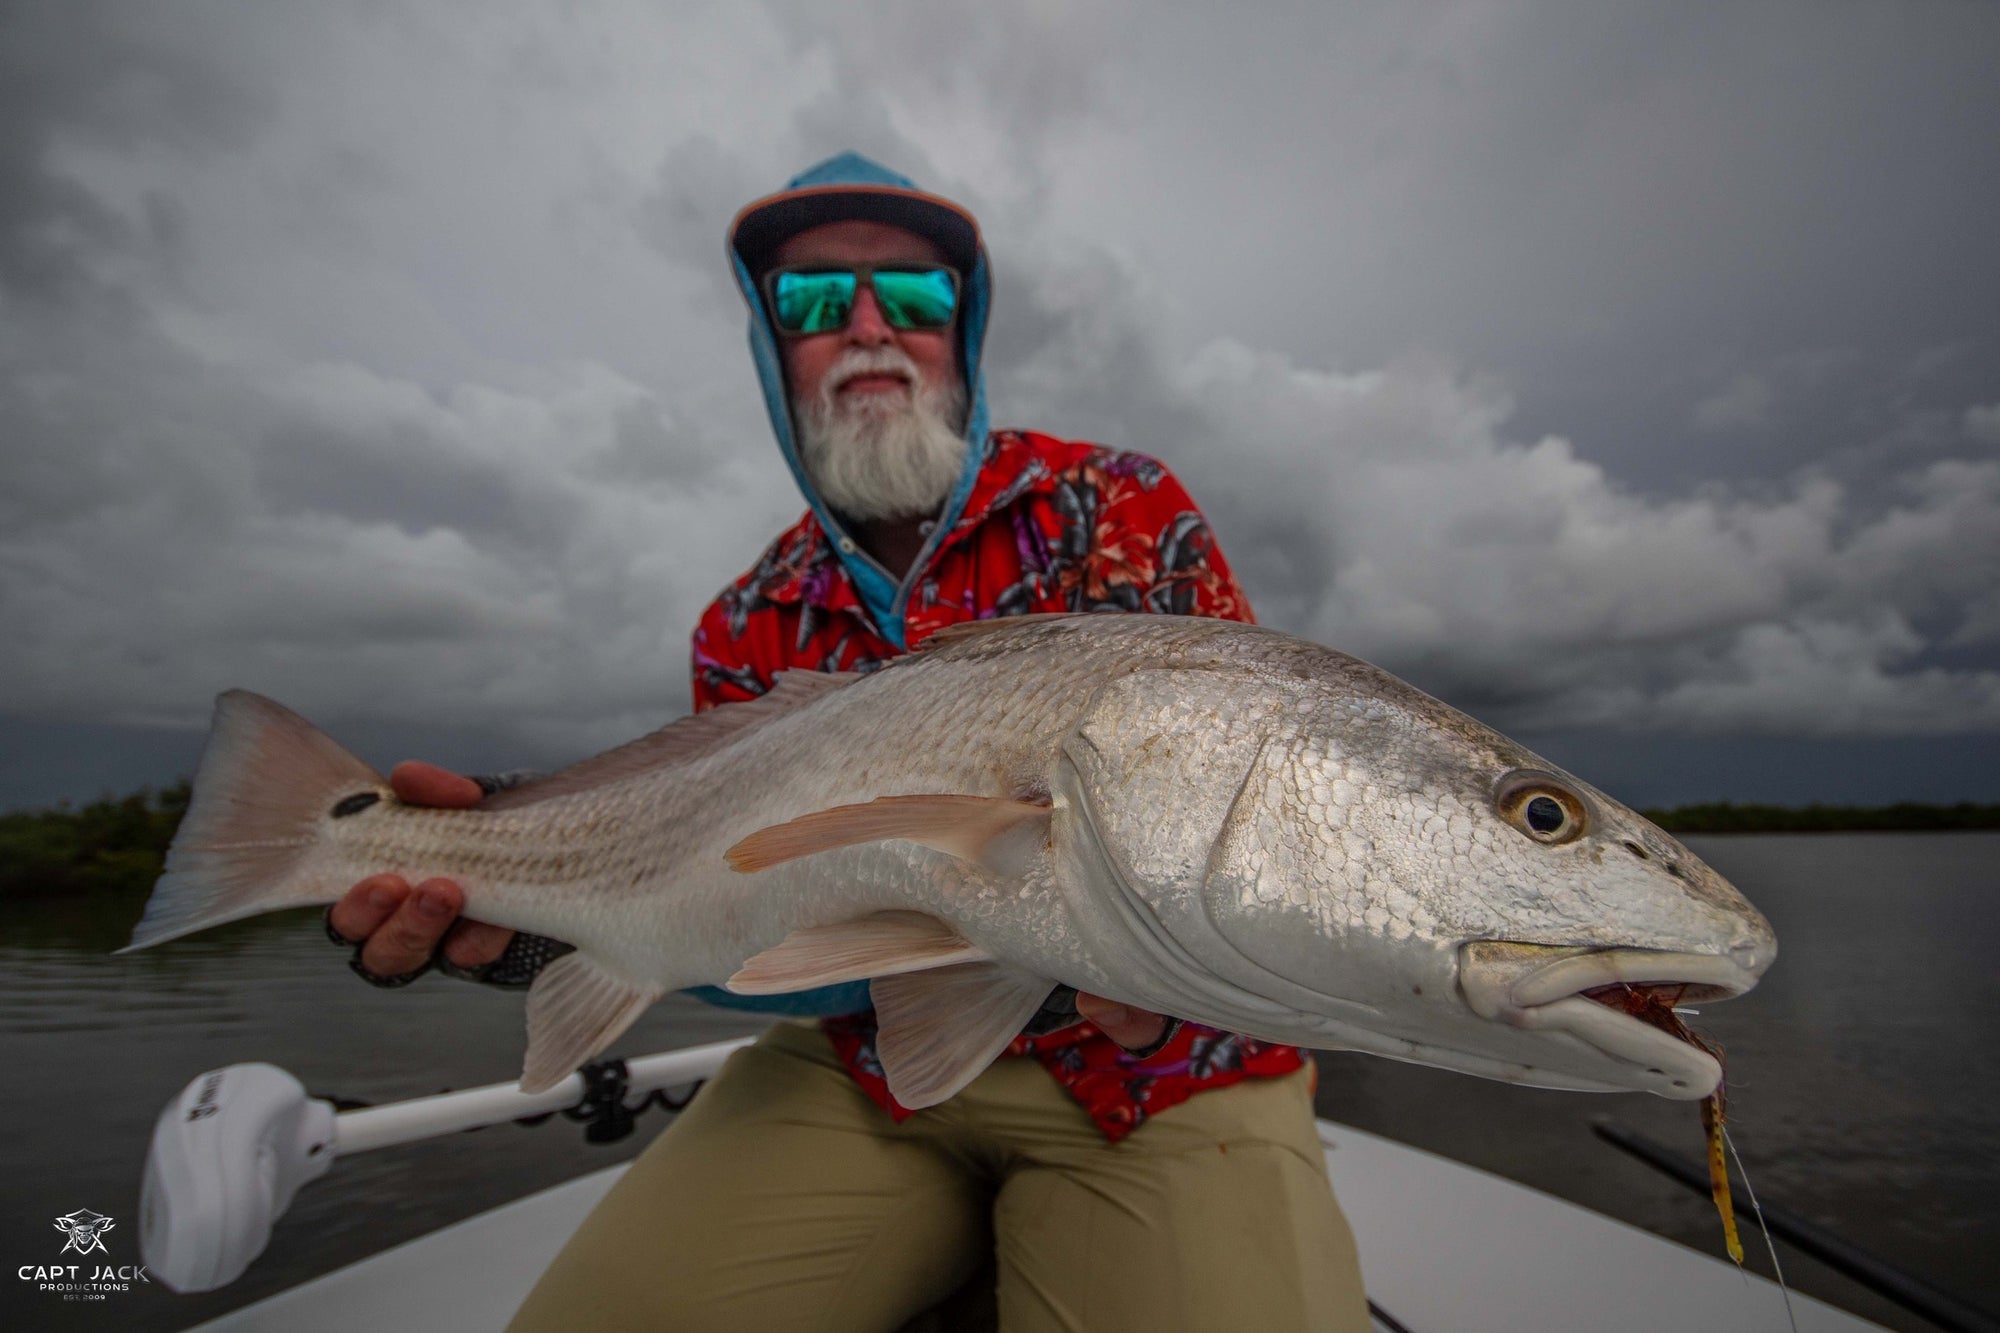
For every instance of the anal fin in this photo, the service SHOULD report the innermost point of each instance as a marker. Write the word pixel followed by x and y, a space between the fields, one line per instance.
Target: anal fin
pixel 938 1030
pixel 576 1009
pixel 879 945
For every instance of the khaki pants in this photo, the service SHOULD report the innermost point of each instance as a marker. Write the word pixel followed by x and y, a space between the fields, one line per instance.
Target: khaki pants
pixel 783 1199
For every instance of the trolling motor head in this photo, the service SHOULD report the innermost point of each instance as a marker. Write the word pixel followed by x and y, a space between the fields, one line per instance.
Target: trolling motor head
pixel 226 1158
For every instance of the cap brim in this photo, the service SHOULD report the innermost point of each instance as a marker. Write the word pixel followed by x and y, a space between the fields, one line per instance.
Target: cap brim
pixel 767 223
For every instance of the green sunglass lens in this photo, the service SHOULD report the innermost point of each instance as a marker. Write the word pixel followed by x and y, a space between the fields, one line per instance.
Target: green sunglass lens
pixel 812 302
pixel 820 302
pixel 921 299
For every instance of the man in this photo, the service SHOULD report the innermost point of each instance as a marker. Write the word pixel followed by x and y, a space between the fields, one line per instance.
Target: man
pixel 1122 1172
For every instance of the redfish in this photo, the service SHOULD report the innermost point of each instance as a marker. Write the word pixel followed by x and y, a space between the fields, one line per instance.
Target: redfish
pixel 1199 817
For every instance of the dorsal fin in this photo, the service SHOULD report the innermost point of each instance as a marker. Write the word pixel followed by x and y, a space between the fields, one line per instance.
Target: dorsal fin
pixel 966 630
pixel 679 741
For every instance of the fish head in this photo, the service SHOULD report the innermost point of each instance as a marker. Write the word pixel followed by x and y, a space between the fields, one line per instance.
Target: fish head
pixel 1335 859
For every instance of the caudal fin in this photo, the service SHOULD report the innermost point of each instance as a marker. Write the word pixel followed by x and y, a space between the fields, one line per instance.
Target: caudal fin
pixel 267 780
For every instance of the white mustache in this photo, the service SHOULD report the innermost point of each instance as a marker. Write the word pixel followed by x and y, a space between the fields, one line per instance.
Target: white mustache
pixel 858 361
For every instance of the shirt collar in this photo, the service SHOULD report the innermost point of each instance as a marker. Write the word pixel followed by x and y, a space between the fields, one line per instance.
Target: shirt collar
pixel 801 566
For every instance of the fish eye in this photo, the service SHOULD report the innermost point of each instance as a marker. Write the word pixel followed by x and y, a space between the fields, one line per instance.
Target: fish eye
pixel 355 804
pixel 1541 807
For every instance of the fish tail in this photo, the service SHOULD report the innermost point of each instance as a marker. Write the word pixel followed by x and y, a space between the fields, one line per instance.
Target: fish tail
pixel 266 782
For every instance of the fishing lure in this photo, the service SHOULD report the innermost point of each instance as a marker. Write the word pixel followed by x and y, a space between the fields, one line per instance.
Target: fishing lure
pixel 1718 1172
pixel 1655 1005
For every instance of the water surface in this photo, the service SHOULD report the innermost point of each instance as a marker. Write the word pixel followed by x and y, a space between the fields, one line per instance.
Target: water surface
pixel 1864 1075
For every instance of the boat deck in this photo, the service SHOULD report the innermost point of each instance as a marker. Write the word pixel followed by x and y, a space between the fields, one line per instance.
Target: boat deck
pixel 1443 1247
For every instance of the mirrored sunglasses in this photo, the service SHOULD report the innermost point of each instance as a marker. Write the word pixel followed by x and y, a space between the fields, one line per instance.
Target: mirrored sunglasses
pixel 818 299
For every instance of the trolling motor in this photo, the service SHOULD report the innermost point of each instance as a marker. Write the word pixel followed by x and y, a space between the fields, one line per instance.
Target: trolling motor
pixel 227 1156
pixel 233 1148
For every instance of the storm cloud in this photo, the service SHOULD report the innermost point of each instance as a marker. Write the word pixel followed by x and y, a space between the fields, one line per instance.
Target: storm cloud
pixel 1609 370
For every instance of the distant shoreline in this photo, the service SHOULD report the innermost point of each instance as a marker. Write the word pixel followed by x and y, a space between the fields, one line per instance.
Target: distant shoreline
pixel 1903 817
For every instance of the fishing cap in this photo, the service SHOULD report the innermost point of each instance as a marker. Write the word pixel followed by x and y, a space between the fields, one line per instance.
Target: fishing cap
pixel 850 186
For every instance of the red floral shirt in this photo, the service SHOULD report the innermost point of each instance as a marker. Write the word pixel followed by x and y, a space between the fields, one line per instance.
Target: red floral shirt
pixel 1051 525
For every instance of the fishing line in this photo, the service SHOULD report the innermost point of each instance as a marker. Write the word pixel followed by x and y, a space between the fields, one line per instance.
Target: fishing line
pixel 1758 1209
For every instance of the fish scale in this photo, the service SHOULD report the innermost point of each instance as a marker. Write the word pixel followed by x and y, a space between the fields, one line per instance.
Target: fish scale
pixel 1200 817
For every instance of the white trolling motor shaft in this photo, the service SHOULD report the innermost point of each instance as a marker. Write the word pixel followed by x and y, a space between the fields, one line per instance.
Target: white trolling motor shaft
pixel 233 1148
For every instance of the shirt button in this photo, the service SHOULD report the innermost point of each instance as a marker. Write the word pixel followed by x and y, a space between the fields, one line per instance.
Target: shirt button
pixel 847 546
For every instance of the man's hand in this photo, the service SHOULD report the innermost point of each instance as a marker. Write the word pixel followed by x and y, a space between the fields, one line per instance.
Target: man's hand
pixel 399 927
pixel 1134 1029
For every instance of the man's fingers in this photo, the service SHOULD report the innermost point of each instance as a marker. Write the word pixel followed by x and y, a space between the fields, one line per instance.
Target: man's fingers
pixel 367 905
pixel 1129 1026
pixel 476 943
pixel 407 939
pixel 418 783
pixel 399 926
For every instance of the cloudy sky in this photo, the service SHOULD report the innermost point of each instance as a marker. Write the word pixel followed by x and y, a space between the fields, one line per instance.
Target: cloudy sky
pixel 1625 373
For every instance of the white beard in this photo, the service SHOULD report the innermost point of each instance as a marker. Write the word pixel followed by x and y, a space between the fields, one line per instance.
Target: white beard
pixel 885 455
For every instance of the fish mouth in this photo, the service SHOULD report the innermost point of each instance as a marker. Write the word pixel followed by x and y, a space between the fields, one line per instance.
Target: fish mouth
pixel 1619 1002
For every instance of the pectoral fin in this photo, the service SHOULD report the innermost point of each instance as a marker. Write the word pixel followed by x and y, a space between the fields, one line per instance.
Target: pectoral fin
pixel 575 1010
pixel 880 945
pixel 995 832
pixel 938 1030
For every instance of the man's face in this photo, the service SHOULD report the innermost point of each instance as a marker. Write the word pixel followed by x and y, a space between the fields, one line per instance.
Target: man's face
pixel 809 359
pixel 880 411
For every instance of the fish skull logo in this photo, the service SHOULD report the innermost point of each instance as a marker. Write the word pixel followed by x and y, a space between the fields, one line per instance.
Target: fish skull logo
pixel 85 1230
